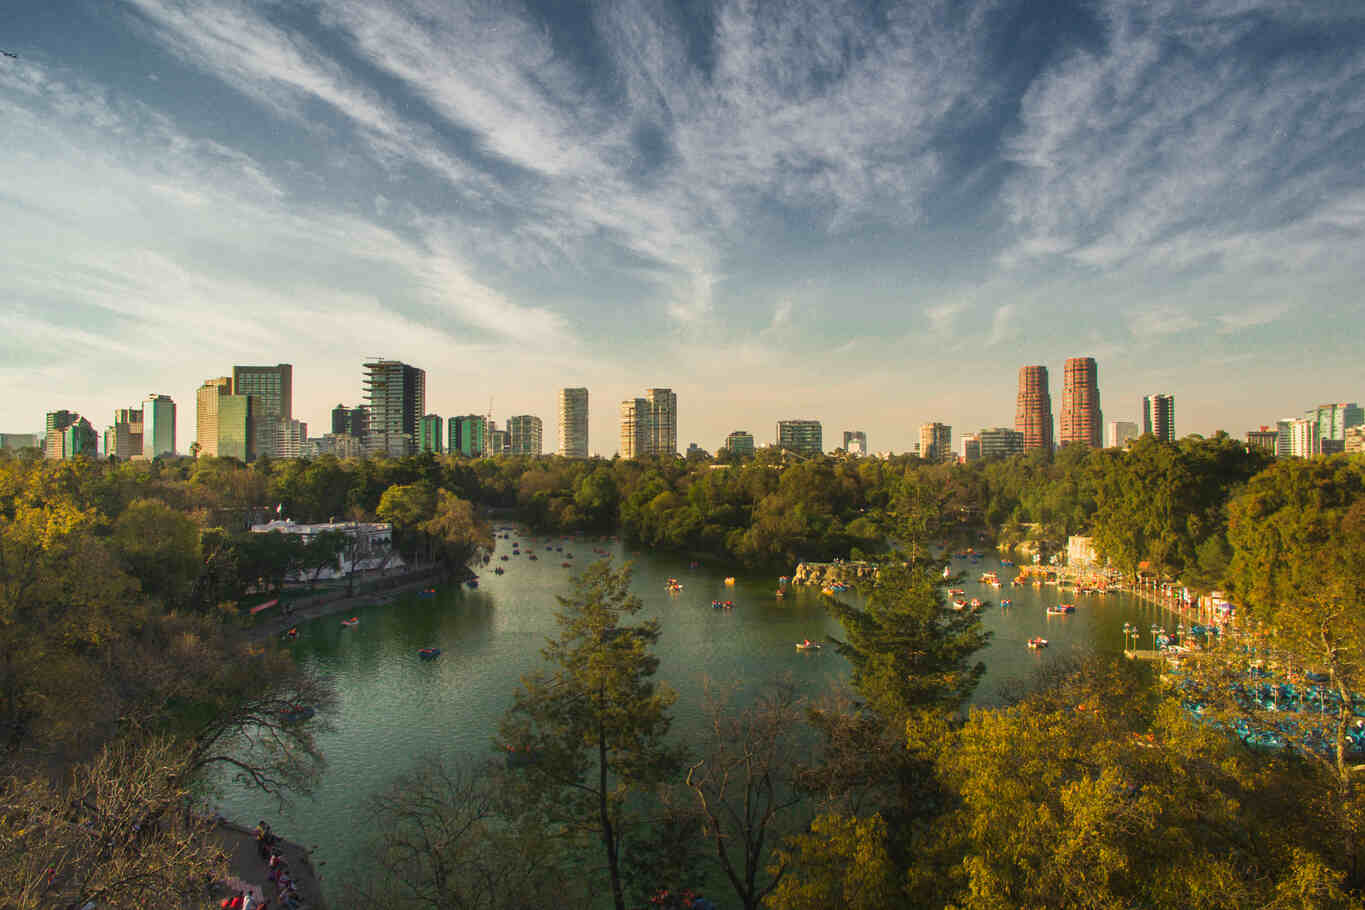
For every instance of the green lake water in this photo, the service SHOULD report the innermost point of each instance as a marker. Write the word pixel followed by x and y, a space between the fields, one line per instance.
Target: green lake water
pixel 394 707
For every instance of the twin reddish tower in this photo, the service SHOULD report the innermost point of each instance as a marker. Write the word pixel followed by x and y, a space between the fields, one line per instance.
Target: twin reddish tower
pixel 1081 420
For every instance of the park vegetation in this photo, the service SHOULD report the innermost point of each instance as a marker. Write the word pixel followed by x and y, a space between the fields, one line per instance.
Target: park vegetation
pixel 122 645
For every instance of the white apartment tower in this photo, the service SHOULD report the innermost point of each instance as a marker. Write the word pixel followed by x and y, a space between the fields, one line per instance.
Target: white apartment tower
pixel 649 425
pixel 573 423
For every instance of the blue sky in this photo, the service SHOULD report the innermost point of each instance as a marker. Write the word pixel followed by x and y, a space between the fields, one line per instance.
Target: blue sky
pixel 866 213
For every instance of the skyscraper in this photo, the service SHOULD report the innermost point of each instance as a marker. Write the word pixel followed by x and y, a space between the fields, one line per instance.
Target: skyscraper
pixel 1335 419
pixel 935 441
pixel 206 413
pixel 1305 440
pixel 1033 408
pixel 663 421
pixel 635 428
pixel 468 436
pixel 524 434
pixel 1263 440
pixel 158 426
pixel 1284 432
pixel 573 423
pixel 429 434
pixel 803 436
pixel 234 430
pixel 1158 417
pixel 649 425
pixel 1082 419
pixel 123 440
pixel 971 448
pixel 1121 432
pixel 855 442
pixel 349 421
pixel 273 389
pixel 57 422
pixel 397 397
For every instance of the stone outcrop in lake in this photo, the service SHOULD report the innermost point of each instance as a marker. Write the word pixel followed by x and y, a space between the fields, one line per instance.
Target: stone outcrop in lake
pixel 822 574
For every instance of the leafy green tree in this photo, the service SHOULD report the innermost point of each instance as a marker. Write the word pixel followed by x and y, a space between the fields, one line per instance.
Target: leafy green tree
pixel 455 534
pixel 161 548
pixel 842 862
pixel 1298 540
pixel 591 732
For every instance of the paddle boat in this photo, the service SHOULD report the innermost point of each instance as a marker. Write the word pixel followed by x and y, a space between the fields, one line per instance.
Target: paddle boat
pixel 1035 643
pixel 532 556
pixel 956 591
pixel 429 653
pixel 947 573
pixel 730 580
pixel 292 633
pixel 1060 609
pixel 427 592
pixel 565 565
pixel 296 713
pixel 499 570
pixel 521 758
pixel 807 645
pixel 976 602
pixel 673 586
pixel 959 605
pixel 780 593
pixel 503 557
pixel 353 621
pixel 472 583
pixel 1006 602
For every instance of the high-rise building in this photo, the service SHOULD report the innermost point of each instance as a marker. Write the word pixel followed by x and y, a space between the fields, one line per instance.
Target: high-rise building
pixel 1122 432
pixel 524 435
pixel 1265 440
pixel 292 439
pixel 235 436
pixel 935 441
pixel 1284 429
pixel 499 441
pixel 805 437
pixel 349 421
pixel 649 425
pixel 635 429
pixel 971 448
pixel 206 413
pixel 1158 417
pixel 158 426
pixel 273 389
pixel 397 398
pixel 1354 443
pixel 57 422
pixel 71 436
pixel 855 442
pixel 740 442
pixel 1335 419
pixel 1000 442
pixel 123 440
pixel 1304 438
pixel 573 423
pixel 429 433
pixel 468 436
pixel 1081 420
pixel 1033 408
pixel 663 421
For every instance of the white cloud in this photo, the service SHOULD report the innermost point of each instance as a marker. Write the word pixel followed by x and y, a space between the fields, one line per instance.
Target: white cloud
pixel 1252 317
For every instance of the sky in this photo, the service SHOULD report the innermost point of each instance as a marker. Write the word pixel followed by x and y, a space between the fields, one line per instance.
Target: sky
pixel 866 213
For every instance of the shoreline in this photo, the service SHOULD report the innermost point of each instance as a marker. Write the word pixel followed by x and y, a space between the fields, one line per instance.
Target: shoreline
pixel 329 603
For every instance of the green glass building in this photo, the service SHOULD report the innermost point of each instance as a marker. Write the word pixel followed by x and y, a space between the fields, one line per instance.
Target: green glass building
pixel 429 433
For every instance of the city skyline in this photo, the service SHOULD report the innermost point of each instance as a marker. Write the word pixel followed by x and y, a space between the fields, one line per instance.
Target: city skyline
pixel 868 213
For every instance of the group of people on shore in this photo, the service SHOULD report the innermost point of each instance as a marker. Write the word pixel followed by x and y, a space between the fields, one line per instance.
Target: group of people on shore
pixel 286 896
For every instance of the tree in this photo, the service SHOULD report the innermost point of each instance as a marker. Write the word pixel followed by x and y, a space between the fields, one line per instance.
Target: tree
pixel 441 840
pixel 455 534
pixel 591 732
pixel 745 787
pixel 843 861
pixel 321 553
pixel 1298 540
pixel 161 548
pixel 116 836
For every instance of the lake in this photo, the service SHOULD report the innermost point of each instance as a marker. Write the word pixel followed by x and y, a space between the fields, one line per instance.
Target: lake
pixel 395 708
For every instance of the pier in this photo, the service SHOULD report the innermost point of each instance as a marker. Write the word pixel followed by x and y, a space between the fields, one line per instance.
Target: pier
pixel 1143 654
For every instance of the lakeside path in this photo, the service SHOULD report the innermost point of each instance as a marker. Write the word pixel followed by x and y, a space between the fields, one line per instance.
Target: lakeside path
pixel 327 603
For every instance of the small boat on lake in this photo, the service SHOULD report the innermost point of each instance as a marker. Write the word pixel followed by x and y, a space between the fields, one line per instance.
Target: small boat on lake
pixel 353 621
pixel 1037 643
pixel 429 653
pixel 730 580
pixel 807 645
pixel 1060 609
